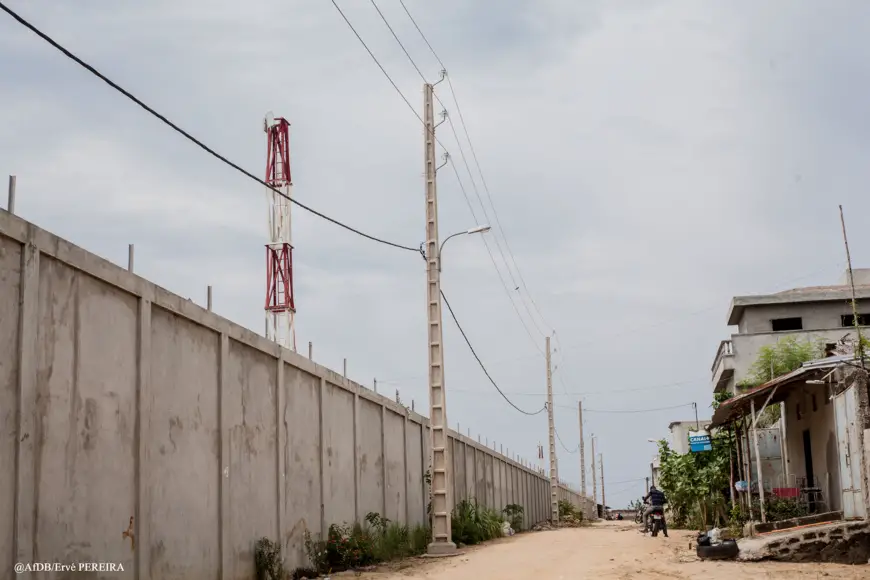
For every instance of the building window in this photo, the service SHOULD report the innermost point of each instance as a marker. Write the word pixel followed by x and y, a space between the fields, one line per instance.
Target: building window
pixel 849 320
pixel 781 324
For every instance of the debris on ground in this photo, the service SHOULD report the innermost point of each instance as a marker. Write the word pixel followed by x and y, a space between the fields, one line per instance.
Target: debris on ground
pixel 565 522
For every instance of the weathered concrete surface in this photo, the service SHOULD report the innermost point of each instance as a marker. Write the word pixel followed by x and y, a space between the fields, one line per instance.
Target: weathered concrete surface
pixel 10 280
pixel 840 543
pixel 119 399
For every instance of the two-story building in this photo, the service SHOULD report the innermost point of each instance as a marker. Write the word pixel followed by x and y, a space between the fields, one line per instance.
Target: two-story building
pixel 816 312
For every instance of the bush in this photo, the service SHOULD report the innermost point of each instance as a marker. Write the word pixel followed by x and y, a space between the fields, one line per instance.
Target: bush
pixel 351 547
pixel 567 509
pixel 473 524
pixel 514 514
pixel 267 560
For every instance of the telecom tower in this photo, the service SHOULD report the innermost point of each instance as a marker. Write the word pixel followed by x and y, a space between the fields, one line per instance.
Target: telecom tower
pixel 280 306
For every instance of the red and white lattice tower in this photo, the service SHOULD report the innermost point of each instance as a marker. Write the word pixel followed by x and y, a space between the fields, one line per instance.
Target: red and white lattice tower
pixel 280 305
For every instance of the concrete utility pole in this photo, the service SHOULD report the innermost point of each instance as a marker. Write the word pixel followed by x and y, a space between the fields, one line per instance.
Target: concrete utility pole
pixel 582 454
pixel 441 533
pixel 554 468
pixel 601 469
pixel 647 486
pixel 10 202
pixel 594 483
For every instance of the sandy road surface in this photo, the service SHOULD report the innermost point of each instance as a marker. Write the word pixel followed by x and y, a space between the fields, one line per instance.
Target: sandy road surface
pixel 605 550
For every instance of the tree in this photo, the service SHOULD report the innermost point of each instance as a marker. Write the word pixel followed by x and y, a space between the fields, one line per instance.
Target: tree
pixel 775 360
pixel 693 482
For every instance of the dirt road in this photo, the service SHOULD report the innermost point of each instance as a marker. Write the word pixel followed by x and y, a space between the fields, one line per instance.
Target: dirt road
pixel 613 550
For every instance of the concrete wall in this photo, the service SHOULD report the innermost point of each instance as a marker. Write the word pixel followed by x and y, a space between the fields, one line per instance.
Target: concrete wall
pixel 815 315
pixel 120 400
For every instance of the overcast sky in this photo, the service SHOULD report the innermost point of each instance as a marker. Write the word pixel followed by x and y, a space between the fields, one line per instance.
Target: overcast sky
pixel 647 161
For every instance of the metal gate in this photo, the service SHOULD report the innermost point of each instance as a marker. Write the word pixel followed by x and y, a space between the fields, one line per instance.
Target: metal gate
pixel 845 405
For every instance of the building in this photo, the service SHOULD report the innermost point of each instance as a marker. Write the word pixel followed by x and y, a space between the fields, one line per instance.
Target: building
pixel 817 312
pixel 827 422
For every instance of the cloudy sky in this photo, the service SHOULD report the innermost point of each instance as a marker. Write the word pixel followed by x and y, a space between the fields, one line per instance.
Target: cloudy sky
pixel 646 159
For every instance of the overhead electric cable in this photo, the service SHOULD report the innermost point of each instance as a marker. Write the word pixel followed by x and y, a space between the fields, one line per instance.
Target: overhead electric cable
pixel 480 362
pixel 187 135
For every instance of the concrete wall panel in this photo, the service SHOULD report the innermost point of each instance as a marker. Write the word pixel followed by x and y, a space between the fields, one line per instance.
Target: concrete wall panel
pixel 183 461
pixel 10 284
pixel 251 400
pixel 302 459
pixel 416 500
pixel 470 474
pixel 370 459
pixel 339 452
pixel 480 471
pixel 85 417
pixel 394 446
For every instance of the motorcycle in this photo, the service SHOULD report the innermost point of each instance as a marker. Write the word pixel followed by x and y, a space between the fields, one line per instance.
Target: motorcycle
pixel 657 521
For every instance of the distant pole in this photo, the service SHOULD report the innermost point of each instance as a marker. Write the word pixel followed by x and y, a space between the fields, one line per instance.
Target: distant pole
pixel 554 467
pixel 375 384
pixel 652 473
pixel 697 423
pixel 855 317
pixel 582 453
pixel 209 298
pixel 345 368
pixel 603 497
pixel 594 481
pixel 130 257
pixel 10 204
pixel 647 486
pixel 310 350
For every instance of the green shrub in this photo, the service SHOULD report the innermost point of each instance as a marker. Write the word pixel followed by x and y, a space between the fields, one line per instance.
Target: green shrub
pixel 514 514
pixel 567 509
pixel 472 523
pixel 353 547
pixel 267 560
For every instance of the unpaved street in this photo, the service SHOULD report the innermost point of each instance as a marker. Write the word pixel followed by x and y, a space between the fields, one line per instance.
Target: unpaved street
pixel 605 550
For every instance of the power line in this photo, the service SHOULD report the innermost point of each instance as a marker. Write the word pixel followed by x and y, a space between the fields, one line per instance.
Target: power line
pixel 458 178
pixel 575 450
pixel 636 410
pixel 480 171
pixel 480 362
pixel 396 36
pixel 377 62
pixel 491 257
pixel 187 135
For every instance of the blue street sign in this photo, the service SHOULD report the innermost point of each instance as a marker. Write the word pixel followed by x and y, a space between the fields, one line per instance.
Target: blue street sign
pixel 700 442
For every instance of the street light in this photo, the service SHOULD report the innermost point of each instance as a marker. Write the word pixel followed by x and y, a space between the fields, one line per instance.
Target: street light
pixel 475 230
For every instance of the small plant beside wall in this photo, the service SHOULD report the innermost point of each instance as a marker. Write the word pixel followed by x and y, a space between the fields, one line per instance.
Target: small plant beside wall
pixel 472 523
pixel 514 514
pixel 267 560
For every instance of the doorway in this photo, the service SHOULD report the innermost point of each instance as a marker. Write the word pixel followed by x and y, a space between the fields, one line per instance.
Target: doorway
pixel 808 459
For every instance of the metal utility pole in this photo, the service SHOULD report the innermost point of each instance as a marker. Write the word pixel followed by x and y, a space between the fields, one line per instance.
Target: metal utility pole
pixel 582 454
pixel 554 468
pixel 441 533
pixel 697 423
pixel 594 481
pixel 603 497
